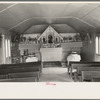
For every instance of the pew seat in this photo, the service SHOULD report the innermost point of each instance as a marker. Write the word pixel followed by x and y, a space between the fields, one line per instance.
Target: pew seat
pixel 28 79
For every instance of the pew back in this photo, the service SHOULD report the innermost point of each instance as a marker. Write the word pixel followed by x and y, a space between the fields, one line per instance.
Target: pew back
pixel 83 62
pixel 24 75
pixel 33 64
pixel 95 79
pixel 74 66
pixel 88 75
pixel 77 74
pixel 24 69
pixel 79 69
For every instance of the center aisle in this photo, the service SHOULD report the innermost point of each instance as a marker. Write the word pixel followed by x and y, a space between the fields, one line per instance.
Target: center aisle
pixel 55 74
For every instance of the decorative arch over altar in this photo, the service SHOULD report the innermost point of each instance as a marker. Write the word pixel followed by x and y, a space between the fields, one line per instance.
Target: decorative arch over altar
pixel 50 36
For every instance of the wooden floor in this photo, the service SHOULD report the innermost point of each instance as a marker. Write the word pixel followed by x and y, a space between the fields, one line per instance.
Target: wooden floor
pixel 55 74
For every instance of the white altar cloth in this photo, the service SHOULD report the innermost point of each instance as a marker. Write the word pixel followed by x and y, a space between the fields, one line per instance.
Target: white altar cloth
pixel 51 54
pixel 73 57
pixel 32 59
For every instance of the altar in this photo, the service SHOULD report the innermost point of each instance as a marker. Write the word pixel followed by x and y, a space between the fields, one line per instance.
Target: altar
pixel 51 54
pixel 50 46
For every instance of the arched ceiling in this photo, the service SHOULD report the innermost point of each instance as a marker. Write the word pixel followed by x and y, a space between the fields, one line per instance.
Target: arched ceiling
pixel 63 17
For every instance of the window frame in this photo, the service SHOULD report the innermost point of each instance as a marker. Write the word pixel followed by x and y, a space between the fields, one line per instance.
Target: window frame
pixel 97 45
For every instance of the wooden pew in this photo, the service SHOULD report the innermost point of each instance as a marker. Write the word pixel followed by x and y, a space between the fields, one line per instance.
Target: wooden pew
pixel 88 75
pixel 4 73
pixel 95 79
pixel 28 79
pixel 4 76
pixel 74 65
pixel 77 74
pixel 8 69
pixel 81 62
pixel 24 75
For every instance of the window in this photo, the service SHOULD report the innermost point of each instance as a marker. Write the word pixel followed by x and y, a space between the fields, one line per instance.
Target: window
pixel 97 41
pixel 7 43
pixel 6 48
pixel 9 54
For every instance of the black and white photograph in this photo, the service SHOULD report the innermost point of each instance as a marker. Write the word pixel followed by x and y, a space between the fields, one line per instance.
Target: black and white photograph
pixel 49 43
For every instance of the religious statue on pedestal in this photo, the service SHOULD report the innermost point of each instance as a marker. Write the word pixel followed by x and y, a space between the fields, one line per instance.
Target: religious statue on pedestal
pixel 50 39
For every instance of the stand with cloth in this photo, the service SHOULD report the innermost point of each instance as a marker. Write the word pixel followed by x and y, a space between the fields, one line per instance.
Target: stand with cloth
pixel 73 57
pixel 31 59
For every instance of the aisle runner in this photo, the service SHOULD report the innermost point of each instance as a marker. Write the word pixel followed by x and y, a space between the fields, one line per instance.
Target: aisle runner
pixel 55 74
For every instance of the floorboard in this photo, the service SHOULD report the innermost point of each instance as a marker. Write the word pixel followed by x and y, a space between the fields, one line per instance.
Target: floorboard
pixel 55 74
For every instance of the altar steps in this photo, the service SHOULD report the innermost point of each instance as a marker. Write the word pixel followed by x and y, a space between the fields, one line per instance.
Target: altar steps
pixel 52 64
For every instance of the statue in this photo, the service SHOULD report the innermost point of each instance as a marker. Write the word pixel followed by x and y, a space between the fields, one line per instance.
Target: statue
pixel 44 41
pixel 50 39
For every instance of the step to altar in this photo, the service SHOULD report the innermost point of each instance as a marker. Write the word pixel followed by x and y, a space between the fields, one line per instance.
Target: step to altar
pixel 52 64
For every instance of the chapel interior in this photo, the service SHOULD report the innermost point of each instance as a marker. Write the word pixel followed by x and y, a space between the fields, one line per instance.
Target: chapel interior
pixel 50 42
